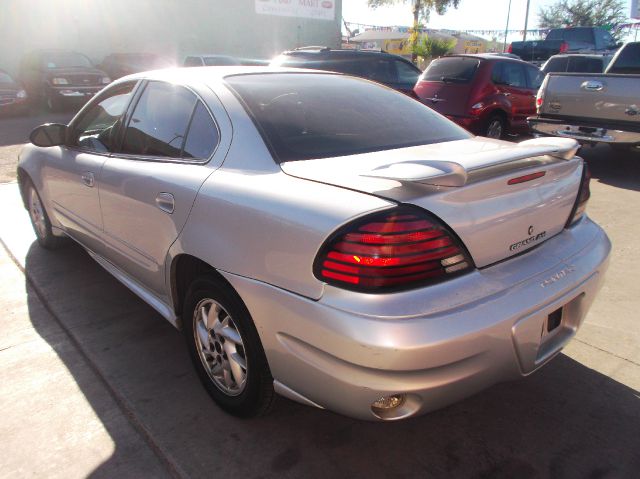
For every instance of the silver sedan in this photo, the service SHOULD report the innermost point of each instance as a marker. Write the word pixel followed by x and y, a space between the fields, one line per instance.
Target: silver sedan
pixel 323 237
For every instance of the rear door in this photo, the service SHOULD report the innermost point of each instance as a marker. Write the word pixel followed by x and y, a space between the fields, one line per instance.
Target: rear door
pixel 171 144
pixel 510 77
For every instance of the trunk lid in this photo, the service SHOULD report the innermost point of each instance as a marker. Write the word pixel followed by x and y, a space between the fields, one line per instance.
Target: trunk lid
pixel 466 184
pixel 592 96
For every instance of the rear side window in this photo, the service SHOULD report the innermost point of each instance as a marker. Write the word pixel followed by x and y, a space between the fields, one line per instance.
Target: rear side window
pixel 193 62
pixel 628 62
pixel 558 64
pixel 582 35
pixel 406 73
pixel 534 77
pixel 452 69
pixel 203 135
pixel 306 116
pixel 584 65
pixel 159 122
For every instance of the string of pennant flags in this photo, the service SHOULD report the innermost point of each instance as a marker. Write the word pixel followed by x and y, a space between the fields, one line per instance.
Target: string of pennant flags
pixel 484 32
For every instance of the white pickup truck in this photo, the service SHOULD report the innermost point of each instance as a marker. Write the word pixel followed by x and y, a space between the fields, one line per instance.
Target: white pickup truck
pixel 593 108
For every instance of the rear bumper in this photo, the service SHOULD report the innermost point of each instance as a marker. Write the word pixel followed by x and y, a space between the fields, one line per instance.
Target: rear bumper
pixel 582 131
pixel 437 344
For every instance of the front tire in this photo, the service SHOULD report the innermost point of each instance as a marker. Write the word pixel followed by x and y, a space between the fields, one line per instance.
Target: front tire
pixel 225 348
pixel 40 219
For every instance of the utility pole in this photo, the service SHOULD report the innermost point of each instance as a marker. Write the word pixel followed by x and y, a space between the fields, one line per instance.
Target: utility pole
pixel 526 20
pixel 506 29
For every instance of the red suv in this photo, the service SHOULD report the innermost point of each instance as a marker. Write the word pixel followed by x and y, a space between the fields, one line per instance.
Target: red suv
pixel 489 95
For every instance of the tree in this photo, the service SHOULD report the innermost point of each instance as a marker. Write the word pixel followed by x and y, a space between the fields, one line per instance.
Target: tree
pixel 433 47
pixel 421 10
pixel 583 13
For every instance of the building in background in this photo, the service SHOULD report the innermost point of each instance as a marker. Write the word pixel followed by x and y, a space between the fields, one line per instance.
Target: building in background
pixel 251 29
pixel 397 41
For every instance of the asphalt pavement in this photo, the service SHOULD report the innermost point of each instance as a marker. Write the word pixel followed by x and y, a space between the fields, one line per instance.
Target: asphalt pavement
pixel 95 383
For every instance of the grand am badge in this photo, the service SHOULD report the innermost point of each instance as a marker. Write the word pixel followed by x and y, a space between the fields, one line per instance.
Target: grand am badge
pixel 527 241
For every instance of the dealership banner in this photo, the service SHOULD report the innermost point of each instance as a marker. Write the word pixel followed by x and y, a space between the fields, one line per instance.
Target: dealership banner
pixel 316 9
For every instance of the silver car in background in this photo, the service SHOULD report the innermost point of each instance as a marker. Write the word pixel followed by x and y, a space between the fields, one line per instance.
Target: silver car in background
pixel 323 237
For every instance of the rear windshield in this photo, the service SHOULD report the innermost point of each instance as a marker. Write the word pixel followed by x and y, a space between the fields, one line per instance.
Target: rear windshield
pixel 584 35
pixel 628 60
pixel 453 69
pixel 308 116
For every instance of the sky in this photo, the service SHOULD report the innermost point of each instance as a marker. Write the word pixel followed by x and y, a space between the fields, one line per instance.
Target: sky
pixel 470 15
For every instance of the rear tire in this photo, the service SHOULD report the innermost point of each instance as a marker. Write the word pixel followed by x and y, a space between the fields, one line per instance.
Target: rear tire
pixel 40 219
pixel 496 127
pixel 225 348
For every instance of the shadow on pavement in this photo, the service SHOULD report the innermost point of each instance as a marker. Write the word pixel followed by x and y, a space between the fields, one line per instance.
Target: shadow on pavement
pixel 613 167
pixel 565 421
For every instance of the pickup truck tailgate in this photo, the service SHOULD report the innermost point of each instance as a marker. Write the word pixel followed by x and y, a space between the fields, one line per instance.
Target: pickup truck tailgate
pixel 595 97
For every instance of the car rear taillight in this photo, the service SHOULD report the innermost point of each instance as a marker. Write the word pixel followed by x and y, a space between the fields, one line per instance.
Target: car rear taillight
pixel 398 249
pixel 510 48
pixel 564 46
pixel 584 193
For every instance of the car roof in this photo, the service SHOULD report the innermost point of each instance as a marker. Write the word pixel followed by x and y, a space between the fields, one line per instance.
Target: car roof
pixel 323 52
pixel 488 57
pixel 584 55
pixel 213 74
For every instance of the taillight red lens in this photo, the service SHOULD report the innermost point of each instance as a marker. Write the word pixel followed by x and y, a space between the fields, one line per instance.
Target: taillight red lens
pixel 510 48
pixel 564 46
pixel 398 249
pixel 583 197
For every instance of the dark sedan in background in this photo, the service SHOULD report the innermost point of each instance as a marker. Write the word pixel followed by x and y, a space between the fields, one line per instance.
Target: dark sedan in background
pixel 59 78
pixel 390 70
pixel 13 98
pixel 117 65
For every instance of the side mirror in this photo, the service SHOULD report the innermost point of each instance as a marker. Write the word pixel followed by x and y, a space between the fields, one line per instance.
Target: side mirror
pixel 49 134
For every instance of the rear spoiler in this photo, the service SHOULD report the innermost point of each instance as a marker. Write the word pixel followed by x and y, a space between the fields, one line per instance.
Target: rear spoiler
pixel 451 173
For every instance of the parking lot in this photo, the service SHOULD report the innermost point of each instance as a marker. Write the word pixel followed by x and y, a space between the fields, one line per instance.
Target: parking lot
pixel 95 383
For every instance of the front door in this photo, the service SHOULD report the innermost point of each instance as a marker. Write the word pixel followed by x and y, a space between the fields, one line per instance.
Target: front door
pixel 73 175
pixel 148 188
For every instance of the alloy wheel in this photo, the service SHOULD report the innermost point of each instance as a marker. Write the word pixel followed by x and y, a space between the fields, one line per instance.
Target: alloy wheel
pixel 36 211
pixel 220 347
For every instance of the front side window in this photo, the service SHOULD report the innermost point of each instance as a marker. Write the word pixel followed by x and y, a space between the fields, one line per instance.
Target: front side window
pixel 510 74
pixel 96 129
pixel 304 116
pixel 159 123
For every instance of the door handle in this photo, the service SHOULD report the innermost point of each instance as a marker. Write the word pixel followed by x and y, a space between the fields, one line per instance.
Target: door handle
pixel 88 179
pixel 592 85
pixel 165 202
pixel 506 93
